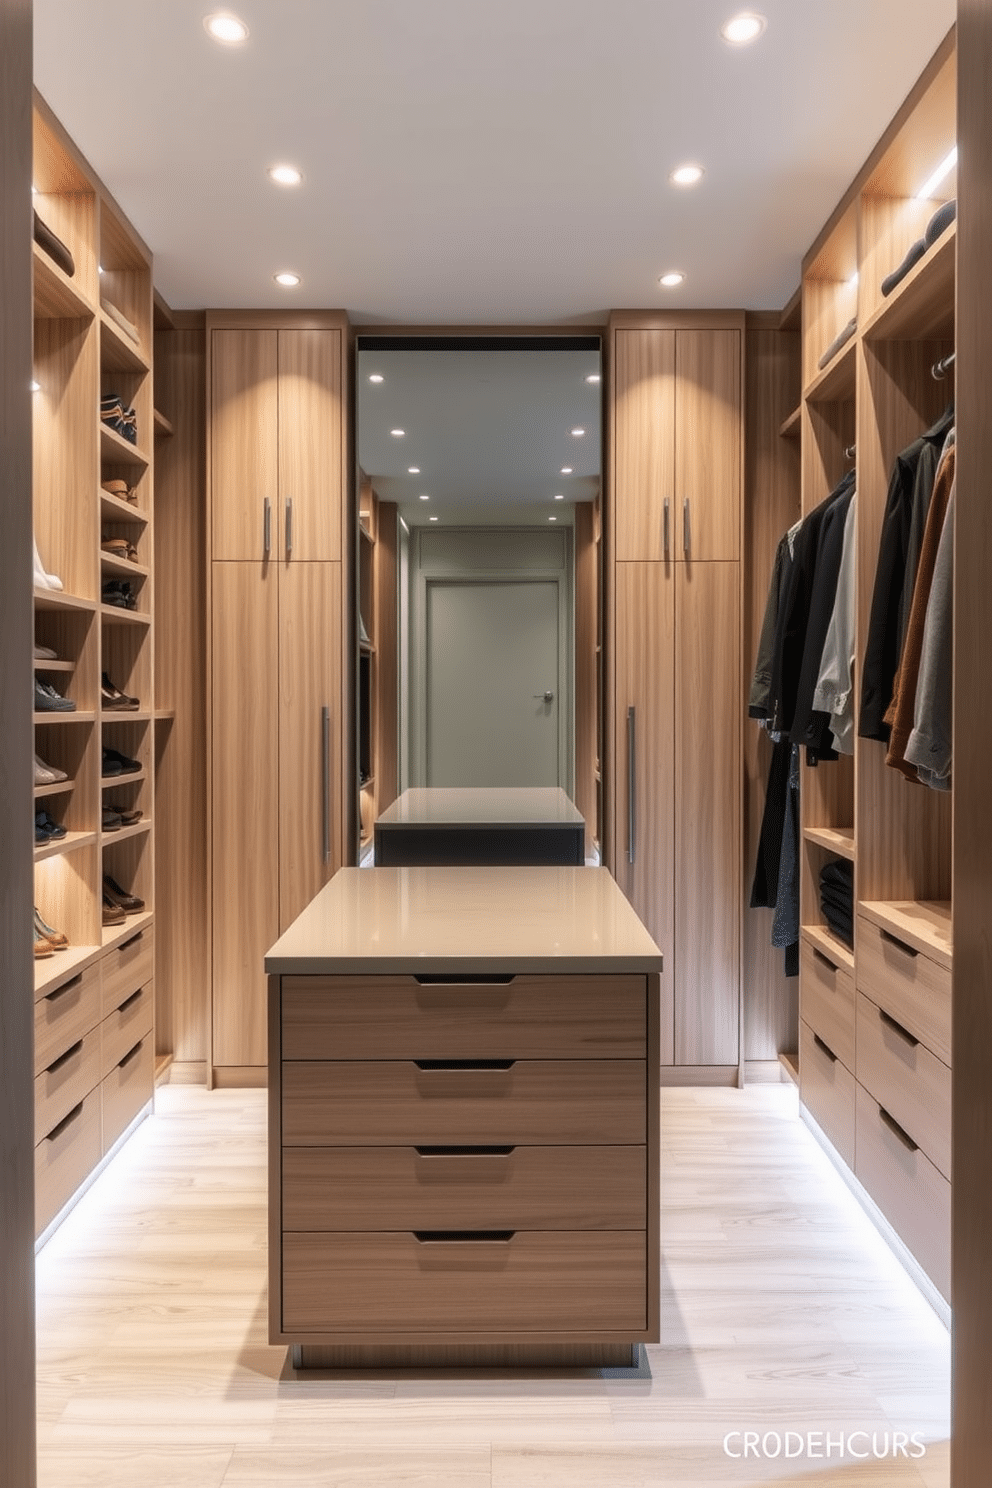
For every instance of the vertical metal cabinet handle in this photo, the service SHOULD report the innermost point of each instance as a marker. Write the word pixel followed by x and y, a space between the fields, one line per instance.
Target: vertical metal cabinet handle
pixel 631 782
pixel 289 525
pixel 325 782
pixel 267 527
pixel 686 528
pixel 666 526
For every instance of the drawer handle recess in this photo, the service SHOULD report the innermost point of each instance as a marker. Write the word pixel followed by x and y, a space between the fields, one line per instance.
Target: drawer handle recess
pixel 131 1054
pixel 436 1065
pixel 462 1237
pixel 455 980
pixel 64 1058
pixel 824 1048
pixel 897 1130
pixel 900 945
pixel 903 1033
pixel 824 960
pixel 65 1123
pixel 125 944
pixel 464 1151
pixel 65 987
pixel 130 1001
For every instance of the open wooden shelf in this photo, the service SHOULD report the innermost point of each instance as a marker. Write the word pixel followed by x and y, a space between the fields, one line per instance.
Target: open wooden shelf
pixel 115 935
pixel 923 924
pixel 123 567
pixel 824 940
pixel 57 848
pixel 113 509
pixel 921 308
pixel 57 599
pixel 118 353
pixel 117 615
pixel 116 450
pixel 59 788
pixel 56 296
pixel 107 839
pixel 839 840
pixel 836 382
pixel 78 715
pixel 163 426
pixel 790 427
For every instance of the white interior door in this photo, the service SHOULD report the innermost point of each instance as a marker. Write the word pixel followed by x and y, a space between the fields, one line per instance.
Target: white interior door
pixel 493 694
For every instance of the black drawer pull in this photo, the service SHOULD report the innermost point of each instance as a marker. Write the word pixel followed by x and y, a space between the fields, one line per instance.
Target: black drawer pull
pixel 824 1048
pixel 464 1151
pixel 464 1064
pixel 65 987
pixel 900 945
pixel 66 1122
pixel 903 1033
pixel 897 1130
pixel 133 941
pixel 131 1054
pixel 64 1058
pixel 130 1001
pixel 463 980
pixel 462 1237
pixel 819 956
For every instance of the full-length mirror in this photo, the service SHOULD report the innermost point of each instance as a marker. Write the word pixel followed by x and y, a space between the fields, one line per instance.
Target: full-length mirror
pixel 478 594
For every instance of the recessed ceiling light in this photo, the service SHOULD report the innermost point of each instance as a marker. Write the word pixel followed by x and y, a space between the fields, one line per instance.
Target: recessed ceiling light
pixel 742 28
pixel 424 496
pixel 686 175
pixel 566 470
pixel 432 519
pixel 559 497
pixel 413 470
pixel 577 433
pixel 593 377
pixel 285 175
pixel 397 433
pixel 36 387
pixel 375 377
pixel 671 279
pixel 944 169
pixel 287 278
pixel 552 519
pixel 223 26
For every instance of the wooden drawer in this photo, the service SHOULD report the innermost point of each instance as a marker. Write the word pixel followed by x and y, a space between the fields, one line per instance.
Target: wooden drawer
pixel 65 1082
pixel 397 1103
pixel 911 1083
pixel 126 1025
pixel 527 1017
pixel 128 967
pixel 63 1017
pixel 520 1188
pixel 914 1197
pixel 826 1001
pixel 826 1089
pixel 370 1282
pixel 65 1158
pixel 128 1086
pixel 909 986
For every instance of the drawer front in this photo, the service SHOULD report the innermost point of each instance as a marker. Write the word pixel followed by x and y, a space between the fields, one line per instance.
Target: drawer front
pixel 127 967
pixel 128 1086
pixel 910 987
pixel 65 1158
pixel 536 1101
pixel 826 1001
pixel 528 1017
pixel 63 1017
pixel 904 1077
pixel 65 1082
pixel 532 1282
pixel 520 1188
pixel 826 1089
pixel 913 1196
pixel 123 1028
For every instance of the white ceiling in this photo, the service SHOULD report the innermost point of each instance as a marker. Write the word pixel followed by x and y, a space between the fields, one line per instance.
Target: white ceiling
pixel 476 163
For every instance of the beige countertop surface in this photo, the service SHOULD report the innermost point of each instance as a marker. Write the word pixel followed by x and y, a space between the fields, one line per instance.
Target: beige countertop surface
pixel 505 806
pixel 444 920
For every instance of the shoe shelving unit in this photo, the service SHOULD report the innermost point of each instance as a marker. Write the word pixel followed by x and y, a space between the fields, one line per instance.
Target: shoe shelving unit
pixel 94 1001
pixel 875 1021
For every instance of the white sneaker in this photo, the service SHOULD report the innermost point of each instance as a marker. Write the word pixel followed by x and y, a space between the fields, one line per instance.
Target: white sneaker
pixel 47 774
pixel 45 653
pixel 43 580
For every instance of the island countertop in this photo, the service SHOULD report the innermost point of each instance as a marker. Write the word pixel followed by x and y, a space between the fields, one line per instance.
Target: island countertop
pixel 466 920
pixel 506 806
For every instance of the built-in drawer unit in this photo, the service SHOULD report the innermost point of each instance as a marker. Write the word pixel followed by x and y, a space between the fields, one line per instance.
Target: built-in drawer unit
pixel 127 967
pixel 517 1017
pixel 65 1014
pixel 826 1001
pixel 909 1082
pixel 65 1157
pixel 826 1088
pixel 126 1088
pixel 910 987
pixel 460 1187
pixel 906 1186
pixel 437 1281
pixel 123 1027
pixel 67 1080
pixel 396 1102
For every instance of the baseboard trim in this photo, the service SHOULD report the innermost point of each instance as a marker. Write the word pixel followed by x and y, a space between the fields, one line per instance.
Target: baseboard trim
pixel 626 1356
pixel 239 1077
pixel 698 1074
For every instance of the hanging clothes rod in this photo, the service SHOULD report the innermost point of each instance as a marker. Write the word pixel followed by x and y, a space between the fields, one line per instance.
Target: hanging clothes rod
pixel 940 369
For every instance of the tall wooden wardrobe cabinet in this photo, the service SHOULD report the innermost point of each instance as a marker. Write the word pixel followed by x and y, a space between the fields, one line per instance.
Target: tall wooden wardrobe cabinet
pixel 676 479
pixel 278 730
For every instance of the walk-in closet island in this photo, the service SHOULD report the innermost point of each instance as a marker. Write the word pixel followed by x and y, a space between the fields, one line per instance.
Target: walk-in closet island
pixel 463 1120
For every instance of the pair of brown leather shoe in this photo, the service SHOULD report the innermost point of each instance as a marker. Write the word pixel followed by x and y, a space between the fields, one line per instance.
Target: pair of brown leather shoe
pixel 44 935
pixel 119 898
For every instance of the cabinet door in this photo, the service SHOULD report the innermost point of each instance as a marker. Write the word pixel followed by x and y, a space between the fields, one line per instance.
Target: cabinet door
pixel 644 443
pixel 310 771
pixel 707 445
pixel 310 444
pixel 245 804
pixel 644 863
pixel 244 430
pixel 707 813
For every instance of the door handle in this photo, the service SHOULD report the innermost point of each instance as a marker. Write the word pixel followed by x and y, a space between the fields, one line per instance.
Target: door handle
pixel 267 527
pixel 325 782
pixel 686 528
pixel 548 696
pixel 631 782
pixel 667 526
pixel 289 525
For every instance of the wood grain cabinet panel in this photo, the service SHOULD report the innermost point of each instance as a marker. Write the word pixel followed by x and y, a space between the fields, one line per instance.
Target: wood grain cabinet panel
pixel 66 1081
pixel 708 445
pixel 912 1084
pixel 826 1001
pixel 907 984
pixel 397 1102
pixel 529 1017
pixel 244 444
pixel 644 442
pixel 63 1016
pixel 530 1282
pixel 456 1188
pixel 126 1088
pixel 65 1157
pixel 311 427
pixel 827 1089
pixel 127 967
pixel 122 1028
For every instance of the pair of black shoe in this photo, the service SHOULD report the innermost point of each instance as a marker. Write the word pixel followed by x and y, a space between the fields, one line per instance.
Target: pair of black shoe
pixel 113 700
pixel 45 829
pixel 119 416
pixel 119 592
pixel 115 763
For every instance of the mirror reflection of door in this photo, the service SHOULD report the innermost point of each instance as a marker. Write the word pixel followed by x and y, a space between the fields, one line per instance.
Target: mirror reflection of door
pixel 479 612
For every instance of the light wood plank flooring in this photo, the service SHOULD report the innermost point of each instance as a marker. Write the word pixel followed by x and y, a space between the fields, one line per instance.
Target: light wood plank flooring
pixel 782 1311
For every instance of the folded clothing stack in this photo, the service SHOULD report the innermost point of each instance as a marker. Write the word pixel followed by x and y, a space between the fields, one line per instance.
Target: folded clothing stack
pixel 118 592
pixel 837 899
pixel 935 228
pixel 53 246
pixel 119 416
